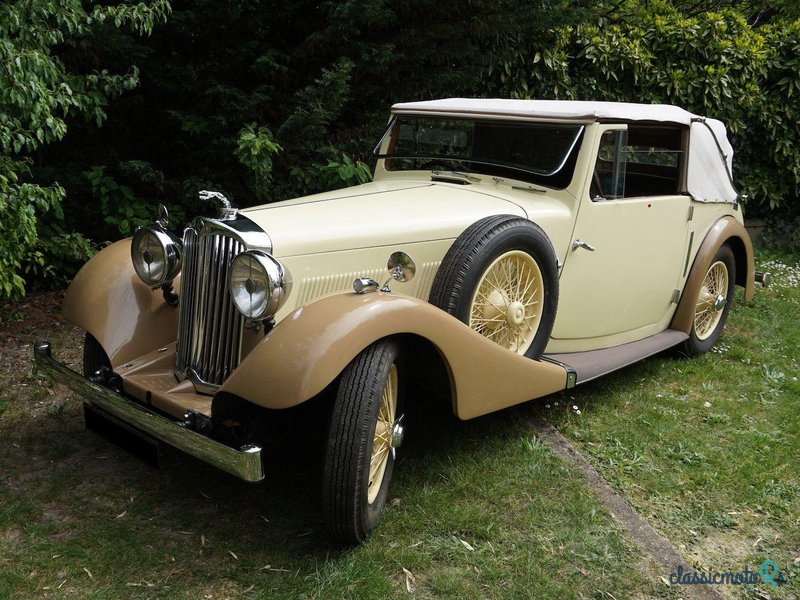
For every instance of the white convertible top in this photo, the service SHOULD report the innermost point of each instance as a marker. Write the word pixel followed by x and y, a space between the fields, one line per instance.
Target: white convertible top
pixel 707 178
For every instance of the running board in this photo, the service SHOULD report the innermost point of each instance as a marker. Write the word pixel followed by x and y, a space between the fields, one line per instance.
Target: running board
pixel 594 363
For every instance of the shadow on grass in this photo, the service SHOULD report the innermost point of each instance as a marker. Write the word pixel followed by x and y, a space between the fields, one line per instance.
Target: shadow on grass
pixel 76 504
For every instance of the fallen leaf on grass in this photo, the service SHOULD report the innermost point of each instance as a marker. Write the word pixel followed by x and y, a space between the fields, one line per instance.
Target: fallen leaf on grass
pixel 122 514
pixel 202 540
pixel 666 581
pixel 274 569
pixel 796 560
pixel 409 581
pixel 233 554
pixel 757 542
pixel 466 545
pixel 88 572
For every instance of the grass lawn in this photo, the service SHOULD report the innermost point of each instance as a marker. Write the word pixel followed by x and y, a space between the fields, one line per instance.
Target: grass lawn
pixel 707 450
pixel 479 509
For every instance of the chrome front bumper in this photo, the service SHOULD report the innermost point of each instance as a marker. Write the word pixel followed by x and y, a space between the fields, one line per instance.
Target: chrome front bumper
pixel 244 463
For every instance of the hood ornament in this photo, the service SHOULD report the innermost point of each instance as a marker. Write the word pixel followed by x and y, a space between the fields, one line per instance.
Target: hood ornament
pixel 225 212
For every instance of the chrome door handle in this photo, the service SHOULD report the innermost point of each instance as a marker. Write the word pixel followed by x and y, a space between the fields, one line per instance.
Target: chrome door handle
pixel 580 244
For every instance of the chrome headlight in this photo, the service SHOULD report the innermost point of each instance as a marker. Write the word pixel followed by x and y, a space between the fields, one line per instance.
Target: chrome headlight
pixel 258 284
pixel 156 256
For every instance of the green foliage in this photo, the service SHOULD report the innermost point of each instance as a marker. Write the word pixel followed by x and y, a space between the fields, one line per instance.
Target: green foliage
pixel 255 151
pixel 37 94
pixel 269 101
pixel 19 205
pixel 344 173
pixel 117 203
pixel 714 64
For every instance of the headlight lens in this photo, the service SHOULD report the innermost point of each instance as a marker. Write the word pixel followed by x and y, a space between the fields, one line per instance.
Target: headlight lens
pixel 257 283
pixel 156 256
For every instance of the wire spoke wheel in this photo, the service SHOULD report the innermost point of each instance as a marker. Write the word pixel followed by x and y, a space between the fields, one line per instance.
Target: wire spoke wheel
pixel 500 278
pixel 711 300
pixel 363 436
pixel 382 441
pixel 508 301
pixel 712 303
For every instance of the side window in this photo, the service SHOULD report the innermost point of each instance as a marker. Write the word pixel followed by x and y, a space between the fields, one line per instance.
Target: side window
pixel 642 161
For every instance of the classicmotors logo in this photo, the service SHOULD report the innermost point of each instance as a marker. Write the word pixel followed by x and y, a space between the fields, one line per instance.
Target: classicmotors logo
pixel 768 574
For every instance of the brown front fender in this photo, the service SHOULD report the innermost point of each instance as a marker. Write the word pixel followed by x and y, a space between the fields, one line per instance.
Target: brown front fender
pixel 108 300
pixel 726 230
pixel 309 348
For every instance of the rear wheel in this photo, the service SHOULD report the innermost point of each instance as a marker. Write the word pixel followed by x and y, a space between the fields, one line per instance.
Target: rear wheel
pixel 363 434
pixel 713 303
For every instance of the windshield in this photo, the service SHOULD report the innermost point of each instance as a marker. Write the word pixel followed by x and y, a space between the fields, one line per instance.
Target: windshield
pixel 542 153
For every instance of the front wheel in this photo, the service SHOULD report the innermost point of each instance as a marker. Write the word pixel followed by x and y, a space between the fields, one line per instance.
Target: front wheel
pixel 363 434
pixel 713 303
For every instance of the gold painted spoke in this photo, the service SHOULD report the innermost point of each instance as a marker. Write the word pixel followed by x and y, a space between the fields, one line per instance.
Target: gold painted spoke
pixel 707 316
pixel 382 438
pixel 377 462
pixel 515 278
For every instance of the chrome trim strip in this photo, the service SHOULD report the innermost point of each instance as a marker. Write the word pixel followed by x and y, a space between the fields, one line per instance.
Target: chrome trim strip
pixel 245 463
pixel 242 229
pixel 572 375
pixel 202 387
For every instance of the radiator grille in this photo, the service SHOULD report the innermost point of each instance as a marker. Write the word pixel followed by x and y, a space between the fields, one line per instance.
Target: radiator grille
pixel 209 326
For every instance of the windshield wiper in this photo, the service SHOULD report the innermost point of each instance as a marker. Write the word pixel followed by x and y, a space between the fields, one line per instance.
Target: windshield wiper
pixel 459 175
pixel 518 185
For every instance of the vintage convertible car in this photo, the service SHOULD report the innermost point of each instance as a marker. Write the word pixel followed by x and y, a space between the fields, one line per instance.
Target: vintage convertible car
pixel 533 246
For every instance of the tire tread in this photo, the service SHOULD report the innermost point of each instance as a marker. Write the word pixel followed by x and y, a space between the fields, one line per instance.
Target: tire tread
pixel 349 441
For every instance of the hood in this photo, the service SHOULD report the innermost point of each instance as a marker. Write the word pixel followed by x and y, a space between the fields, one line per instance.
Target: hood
pixel 375 214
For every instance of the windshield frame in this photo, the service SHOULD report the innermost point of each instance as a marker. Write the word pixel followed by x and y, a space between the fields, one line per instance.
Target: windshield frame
pixel 525 174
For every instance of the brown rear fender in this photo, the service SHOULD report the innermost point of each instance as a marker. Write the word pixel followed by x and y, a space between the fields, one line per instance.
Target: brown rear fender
pixel 309 348
pixel 725 230
pixel 108 300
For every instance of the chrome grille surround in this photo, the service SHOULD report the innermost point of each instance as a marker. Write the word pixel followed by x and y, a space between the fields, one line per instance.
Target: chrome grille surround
pixel 209 326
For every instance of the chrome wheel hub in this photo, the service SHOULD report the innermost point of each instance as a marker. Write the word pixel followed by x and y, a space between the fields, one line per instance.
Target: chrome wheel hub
pixel 397 435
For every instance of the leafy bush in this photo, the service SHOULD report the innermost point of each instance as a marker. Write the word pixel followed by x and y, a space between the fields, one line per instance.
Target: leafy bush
pixel 37 93
pixel 255 151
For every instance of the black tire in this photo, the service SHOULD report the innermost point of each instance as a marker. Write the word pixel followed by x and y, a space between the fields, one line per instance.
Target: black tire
pixel 468 259
pixel 700 344
pixel 94 356
pixel 349 514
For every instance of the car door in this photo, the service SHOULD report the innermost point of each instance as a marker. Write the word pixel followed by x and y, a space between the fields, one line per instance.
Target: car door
pixel 629 241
